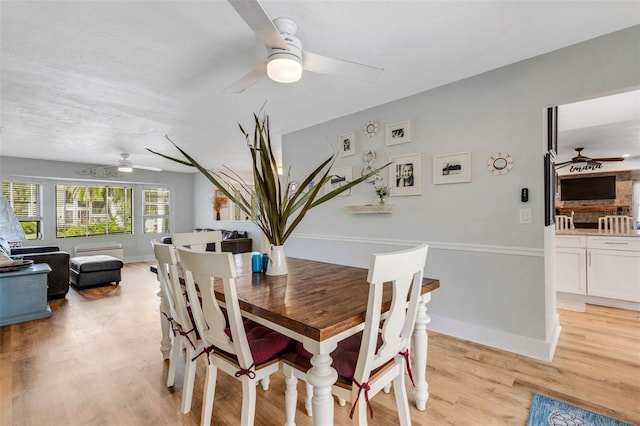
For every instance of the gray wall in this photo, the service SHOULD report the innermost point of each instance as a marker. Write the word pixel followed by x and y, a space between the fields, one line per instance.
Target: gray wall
pixel 497 283
pixel 205 216
pixel 136 246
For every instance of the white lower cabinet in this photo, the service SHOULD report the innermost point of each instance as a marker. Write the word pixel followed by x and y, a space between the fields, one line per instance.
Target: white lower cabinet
pixel 571 264
pixel 614 274
pixel 571 270
pixel 602 266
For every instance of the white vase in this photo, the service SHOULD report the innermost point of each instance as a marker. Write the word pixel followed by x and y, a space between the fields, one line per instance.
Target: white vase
pixel 277 261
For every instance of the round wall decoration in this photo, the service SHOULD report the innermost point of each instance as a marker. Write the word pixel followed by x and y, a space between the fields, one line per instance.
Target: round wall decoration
pixel 500 163
pixel 370 128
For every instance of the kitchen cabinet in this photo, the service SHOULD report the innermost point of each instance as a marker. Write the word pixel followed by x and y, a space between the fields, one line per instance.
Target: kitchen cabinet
pixel 600 266
pixel 613 267
pixel 571 264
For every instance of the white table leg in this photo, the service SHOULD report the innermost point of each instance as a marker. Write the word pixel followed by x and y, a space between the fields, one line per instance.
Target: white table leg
pixel 419 349
pixel 322 376
pixel 165 326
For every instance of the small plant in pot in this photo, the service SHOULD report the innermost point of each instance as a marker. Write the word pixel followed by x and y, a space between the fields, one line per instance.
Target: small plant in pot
pixel 274 207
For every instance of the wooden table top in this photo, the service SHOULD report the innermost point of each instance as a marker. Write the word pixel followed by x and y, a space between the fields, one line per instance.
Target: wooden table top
pixel 315 299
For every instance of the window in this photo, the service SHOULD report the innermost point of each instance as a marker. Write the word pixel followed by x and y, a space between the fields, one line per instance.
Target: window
pixel 156 210
pixel 92 210
pixel 25 201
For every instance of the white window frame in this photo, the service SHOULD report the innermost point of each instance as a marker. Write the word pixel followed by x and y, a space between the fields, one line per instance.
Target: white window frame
pixel 166 217
pixel 35 214
pixel 84 210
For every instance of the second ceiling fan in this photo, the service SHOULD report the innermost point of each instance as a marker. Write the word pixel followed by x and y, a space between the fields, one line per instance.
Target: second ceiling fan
pixel 579 158
pixel 286 60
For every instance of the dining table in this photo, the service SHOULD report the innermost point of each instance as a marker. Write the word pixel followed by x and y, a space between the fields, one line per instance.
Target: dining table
pixel 318 304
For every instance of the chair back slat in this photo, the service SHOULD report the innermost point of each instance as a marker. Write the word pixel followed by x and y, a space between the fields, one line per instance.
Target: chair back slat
pixel 564 222
pixel 198 240
pixel 167 265
pixel 404 271
pixel 203 268
pixel 616 224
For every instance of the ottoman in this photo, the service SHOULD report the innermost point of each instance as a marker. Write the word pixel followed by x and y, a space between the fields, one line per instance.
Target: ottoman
pixel 91 271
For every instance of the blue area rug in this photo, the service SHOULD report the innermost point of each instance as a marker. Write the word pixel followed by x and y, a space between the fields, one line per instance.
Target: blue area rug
pixel 549 412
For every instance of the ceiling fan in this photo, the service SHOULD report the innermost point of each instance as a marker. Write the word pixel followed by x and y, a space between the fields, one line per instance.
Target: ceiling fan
pixel 579 158
pixel 126 166
pixel 286 60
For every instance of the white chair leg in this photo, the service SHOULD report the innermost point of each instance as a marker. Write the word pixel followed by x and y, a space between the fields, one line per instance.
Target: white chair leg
pixel 402 401
pixel 189 379
pixel 290 396
pixel 174 355
pixel 387 388
pixel 209 394
pixel 307 402
pixel 248 402
pixel 265 382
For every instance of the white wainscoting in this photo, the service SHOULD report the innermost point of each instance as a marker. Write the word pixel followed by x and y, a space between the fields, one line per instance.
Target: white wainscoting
pixel 485 327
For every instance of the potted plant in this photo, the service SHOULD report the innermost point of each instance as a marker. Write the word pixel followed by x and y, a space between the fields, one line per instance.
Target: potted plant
pixel 382 192
pixel 275 208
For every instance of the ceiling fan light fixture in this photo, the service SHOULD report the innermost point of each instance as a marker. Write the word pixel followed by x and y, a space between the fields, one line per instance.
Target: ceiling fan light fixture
pixel 124 165
pixel 125 168
pixel 284 67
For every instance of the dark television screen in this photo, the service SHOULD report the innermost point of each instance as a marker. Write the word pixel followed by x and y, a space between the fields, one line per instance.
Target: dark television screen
pixel 591 188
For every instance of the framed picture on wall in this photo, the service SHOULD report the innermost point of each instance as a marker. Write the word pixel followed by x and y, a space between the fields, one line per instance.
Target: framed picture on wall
pixel 398 133
pixel 404 175
pixel 339 178
pixel 452 168
pixel 346 144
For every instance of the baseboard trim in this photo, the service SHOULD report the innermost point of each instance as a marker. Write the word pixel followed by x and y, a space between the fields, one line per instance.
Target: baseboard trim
pixel 527 346
pixel 602 301
pixel 132 259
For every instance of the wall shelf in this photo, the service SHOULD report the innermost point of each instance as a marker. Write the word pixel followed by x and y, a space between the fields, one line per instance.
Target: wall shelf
pixel 371 209
pixel 593 208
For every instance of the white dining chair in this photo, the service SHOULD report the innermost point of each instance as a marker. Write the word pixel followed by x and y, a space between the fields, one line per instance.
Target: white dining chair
pixel 564 222
pixel 185 338
pixel 198 240
pixel 245 350
pixel 382 354
pixel 616 224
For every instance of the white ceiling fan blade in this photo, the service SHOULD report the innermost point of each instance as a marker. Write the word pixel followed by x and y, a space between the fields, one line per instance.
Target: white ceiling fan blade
pixel 153 169
pixel 258 20
pixel 326 65
pixel 248 80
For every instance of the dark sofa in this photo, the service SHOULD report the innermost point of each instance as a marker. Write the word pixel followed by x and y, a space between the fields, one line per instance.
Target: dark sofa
pixel 232 241
pixel 58 261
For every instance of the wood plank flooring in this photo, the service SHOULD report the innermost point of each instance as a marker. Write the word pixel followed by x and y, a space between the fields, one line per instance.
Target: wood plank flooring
pixel 96 361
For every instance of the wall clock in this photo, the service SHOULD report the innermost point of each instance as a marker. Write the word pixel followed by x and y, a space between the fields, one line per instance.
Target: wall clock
pixel 370 128
pixel 500 163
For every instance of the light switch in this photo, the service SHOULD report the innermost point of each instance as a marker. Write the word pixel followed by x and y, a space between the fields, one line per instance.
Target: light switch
pixel 525 215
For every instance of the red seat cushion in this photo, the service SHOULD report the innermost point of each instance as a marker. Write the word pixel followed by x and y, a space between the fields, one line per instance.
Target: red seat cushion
pixel 265 344
pixel 345 356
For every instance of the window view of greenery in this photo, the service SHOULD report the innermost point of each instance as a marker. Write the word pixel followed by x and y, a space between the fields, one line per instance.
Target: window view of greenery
pixel 93 210
pixel 24 198
pixel 156 210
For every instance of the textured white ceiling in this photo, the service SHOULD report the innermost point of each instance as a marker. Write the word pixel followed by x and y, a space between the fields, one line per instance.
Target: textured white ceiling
pixel 608 126
pixel 83 81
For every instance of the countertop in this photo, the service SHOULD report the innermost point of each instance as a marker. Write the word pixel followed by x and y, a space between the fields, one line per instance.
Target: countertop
pixel 596 233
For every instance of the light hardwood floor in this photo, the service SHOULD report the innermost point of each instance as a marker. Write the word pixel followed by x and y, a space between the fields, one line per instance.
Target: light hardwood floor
pixel 96 361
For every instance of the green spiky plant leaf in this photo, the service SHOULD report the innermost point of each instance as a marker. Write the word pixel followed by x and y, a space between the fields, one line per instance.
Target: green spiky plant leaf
pixel 274 209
